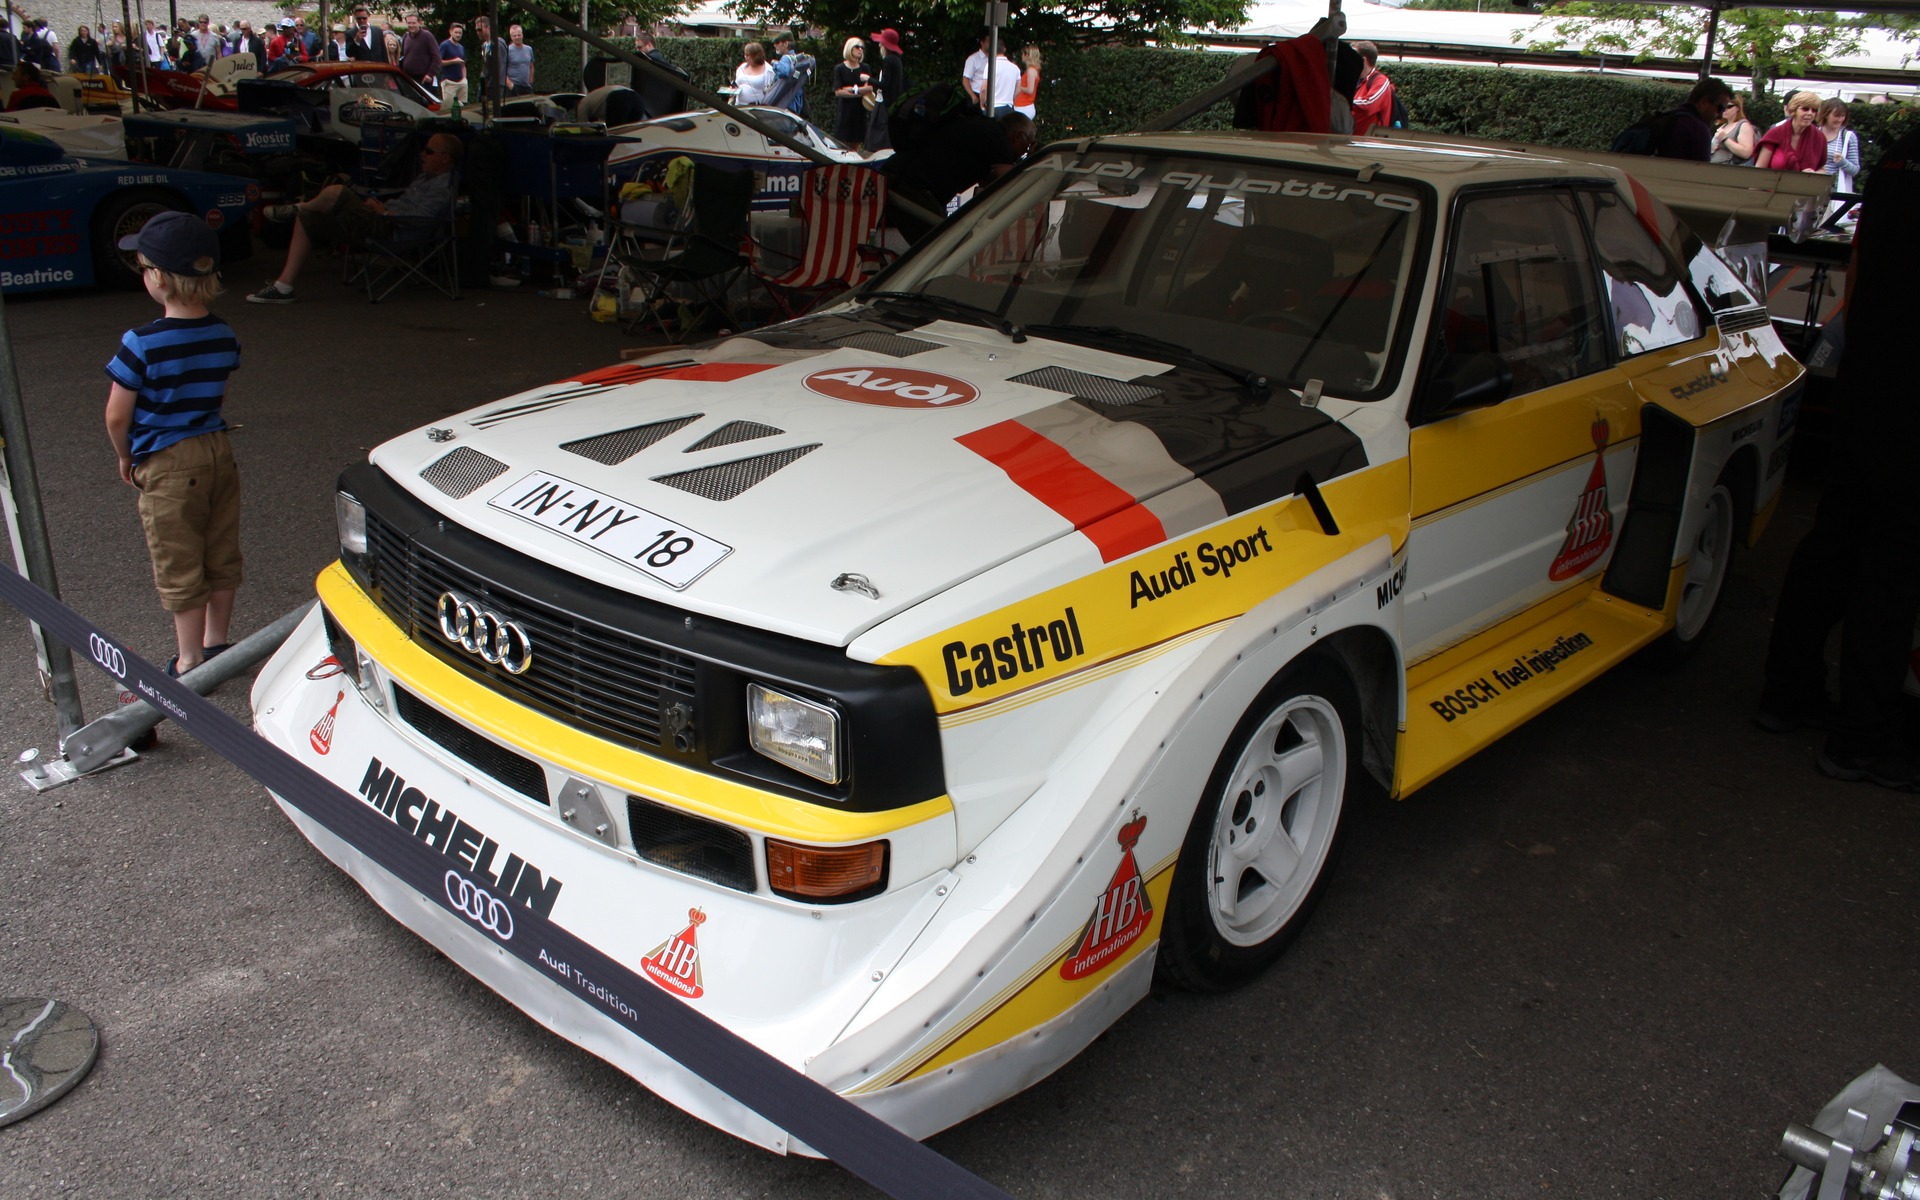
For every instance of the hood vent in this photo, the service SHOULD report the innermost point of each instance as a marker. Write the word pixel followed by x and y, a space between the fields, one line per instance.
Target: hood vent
pixel 891 344
pixel 732 432
pixel 1740 320
pixel 612 449
pixel 460 473
pixel 724 481
pixel 1082 386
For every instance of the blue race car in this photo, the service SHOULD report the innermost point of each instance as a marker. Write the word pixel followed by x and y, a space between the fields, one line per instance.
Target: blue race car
pixel 61 217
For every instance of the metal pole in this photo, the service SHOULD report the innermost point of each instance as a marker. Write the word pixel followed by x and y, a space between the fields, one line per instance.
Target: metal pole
pixel 1713 30
pixel 99 743
pixel 27 525
pixel 492 67
pixel 583 47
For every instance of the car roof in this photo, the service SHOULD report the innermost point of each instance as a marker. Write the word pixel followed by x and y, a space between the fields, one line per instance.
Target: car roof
pixel 1447 167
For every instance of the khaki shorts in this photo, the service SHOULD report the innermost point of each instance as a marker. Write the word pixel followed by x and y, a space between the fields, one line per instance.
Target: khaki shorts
pixel 190 511
pixel 349 221
pixel 453 96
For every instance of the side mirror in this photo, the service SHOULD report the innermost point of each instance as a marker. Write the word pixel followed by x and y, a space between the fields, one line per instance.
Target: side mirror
pixel 1464 381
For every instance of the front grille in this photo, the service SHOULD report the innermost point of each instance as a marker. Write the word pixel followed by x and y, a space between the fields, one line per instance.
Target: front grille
pixel 691 845
pixel 601 680
pixel 518 772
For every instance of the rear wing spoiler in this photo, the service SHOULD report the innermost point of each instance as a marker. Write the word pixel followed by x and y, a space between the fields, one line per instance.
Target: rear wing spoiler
pixel 1722 204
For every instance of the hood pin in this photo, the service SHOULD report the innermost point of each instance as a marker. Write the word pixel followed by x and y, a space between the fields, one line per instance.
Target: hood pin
pixel 855 583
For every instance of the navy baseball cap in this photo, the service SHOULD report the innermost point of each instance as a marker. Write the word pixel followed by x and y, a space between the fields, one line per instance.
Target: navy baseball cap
pixel 178 243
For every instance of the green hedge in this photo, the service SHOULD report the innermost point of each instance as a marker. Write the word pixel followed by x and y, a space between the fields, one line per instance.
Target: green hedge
pixel 1113 89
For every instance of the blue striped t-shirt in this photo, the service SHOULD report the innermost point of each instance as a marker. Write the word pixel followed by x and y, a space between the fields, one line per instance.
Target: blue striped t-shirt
pixel 179 367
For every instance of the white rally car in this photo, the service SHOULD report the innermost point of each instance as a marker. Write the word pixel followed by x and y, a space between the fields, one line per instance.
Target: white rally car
pixel 707 135
pixel 907 686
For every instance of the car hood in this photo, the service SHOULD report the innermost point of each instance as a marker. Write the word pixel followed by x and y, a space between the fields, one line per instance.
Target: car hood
pixel 912 457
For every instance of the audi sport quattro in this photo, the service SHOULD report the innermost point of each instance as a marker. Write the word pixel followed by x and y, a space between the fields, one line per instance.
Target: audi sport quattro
pixel 907 686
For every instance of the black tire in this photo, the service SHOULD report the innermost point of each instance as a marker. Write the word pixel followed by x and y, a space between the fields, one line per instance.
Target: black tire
pixel 1256 817
pixel 1705 582
pixel 119 215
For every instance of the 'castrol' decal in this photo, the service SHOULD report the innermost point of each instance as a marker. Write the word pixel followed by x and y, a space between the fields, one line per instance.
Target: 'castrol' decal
pixel 1120 916
pixel 892 387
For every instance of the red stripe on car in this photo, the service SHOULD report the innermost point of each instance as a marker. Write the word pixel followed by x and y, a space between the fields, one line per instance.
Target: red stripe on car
pixel 1108 515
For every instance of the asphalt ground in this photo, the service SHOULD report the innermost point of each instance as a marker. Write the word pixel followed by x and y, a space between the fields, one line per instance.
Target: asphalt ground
pixel 1611 956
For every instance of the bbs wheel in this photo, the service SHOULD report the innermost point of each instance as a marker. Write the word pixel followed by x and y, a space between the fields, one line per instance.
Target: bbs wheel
pixel 119 216
pixel 1704 580
pixel 1257 854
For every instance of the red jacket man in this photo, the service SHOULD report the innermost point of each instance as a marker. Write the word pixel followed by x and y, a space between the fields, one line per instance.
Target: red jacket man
pixel 1373 96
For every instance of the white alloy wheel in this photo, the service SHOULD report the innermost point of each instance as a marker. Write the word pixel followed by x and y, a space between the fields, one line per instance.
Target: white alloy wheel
pixel 1706 566
pixel 1275 823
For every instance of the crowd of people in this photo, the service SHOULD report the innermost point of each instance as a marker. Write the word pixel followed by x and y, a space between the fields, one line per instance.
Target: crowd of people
pixel 1711 125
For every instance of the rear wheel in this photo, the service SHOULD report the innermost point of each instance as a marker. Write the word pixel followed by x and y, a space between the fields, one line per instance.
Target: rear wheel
pixel 120 216
pixel 1257 855
pixel 1705 577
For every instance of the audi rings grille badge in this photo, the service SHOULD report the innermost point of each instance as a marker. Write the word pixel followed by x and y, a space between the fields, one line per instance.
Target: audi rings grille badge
pixel 480 906
pixel 480 632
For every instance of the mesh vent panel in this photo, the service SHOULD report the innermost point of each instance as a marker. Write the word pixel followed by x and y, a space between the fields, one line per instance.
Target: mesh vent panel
pixel 724 481
pixel 1087 387
pixel 692 845
pixel 517 771
pixel 612 449
pixel 734 431
pixel 891 344
pixel 461 472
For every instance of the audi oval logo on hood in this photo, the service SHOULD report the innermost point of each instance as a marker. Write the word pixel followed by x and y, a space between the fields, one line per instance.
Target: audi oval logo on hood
pixel 892 387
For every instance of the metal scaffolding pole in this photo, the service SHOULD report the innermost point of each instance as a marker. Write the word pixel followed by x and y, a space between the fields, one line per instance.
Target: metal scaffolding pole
pixel 27 526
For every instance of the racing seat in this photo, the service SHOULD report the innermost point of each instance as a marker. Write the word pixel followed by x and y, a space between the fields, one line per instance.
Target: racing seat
pixel 841 210
pixel 702 256
pixel 417 249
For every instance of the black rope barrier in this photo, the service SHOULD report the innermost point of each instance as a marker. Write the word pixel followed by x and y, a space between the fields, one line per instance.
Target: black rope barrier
pixel 824 1120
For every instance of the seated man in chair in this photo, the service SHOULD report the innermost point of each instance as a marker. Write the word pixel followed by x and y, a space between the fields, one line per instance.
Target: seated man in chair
pixel 339 215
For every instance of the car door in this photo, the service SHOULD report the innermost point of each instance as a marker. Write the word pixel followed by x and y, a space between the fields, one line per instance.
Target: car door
pixel 1524 434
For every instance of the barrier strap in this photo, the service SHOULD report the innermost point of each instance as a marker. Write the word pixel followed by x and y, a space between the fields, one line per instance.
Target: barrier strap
pixel 826 1121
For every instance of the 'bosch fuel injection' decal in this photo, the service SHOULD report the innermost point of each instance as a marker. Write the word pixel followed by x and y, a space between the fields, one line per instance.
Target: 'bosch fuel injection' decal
pixel 1499 681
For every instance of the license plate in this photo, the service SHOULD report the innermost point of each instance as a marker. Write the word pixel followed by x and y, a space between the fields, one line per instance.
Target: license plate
pixel 649 543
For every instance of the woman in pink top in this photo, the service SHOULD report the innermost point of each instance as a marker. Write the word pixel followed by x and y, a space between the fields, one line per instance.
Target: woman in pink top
pixel 1794 144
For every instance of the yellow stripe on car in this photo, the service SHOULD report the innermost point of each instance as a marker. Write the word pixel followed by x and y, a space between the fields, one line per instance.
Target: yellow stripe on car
pixel 542 737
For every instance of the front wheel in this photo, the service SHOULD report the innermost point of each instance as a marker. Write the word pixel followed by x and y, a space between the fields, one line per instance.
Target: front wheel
pixel 1257 854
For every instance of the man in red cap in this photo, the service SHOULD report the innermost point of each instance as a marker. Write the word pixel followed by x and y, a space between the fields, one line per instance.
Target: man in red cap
pixel 893 86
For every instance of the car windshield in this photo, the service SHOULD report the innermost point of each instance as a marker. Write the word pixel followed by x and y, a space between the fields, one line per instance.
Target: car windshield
pixel 1280 271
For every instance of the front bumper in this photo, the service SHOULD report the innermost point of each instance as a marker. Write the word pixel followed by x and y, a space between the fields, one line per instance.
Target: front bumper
pixel 789 978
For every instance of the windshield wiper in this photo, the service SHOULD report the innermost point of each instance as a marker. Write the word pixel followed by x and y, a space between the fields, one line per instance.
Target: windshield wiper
pixel 978 314
pixel 1253 381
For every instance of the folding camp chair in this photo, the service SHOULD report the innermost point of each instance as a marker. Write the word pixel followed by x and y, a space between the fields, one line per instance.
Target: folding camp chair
pixel 703 254
pixel 418 249
pixel 841 208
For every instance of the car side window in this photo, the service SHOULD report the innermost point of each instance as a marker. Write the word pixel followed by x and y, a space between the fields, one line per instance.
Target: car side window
pixel 1521 288
pixel 1650 306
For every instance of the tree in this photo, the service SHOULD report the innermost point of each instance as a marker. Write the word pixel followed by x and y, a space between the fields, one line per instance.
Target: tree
pixel 1766 43
pixel 939 29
